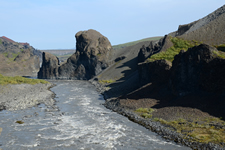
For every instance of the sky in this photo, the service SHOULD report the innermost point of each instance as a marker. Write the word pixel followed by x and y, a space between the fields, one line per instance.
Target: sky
pixel 52 24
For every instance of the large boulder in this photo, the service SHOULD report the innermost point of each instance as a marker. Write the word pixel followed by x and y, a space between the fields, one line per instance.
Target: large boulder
pixel 93 54
pixel 198 69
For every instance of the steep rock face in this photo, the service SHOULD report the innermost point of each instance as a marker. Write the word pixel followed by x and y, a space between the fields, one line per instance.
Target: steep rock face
pixel 197 69
pixel 49 69
pixel 154 47
pixel 155 72
pixel 93 54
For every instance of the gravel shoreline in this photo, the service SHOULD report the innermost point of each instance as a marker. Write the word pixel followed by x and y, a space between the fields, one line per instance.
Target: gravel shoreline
pixel 22 96
pixel 164 131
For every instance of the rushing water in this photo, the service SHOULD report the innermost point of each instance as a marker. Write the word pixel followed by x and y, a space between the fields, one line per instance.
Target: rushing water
pixel 78 122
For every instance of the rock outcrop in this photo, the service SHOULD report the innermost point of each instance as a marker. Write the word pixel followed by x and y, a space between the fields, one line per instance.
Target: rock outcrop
pixel 155 72
pixel 93 54
pixel 154 47
pixel 49 69
pixel 198 69
pixel 18 59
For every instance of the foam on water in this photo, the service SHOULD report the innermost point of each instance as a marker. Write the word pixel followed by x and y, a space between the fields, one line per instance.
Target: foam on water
pixel 79 122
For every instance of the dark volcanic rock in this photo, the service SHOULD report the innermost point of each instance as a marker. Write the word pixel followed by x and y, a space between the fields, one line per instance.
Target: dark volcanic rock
pixel 157 71
pixel 93 52
pixel 197 69
pixel 162 45
pixel 49 69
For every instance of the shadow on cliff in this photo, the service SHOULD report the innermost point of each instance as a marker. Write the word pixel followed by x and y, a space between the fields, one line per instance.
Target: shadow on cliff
pixel 212 103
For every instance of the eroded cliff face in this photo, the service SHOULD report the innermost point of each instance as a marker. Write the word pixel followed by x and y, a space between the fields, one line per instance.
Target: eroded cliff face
pixel 93 54
pixel 198 69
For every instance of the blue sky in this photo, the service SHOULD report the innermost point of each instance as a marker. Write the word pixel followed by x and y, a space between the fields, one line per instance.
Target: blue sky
pixel 52 24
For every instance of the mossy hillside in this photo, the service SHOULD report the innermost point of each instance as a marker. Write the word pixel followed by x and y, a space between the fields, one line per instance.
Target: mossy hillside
pixel 203 130
pixel 0 41
pixel 4 80
pixel 145 112
pixel 178 45
pixel 107 81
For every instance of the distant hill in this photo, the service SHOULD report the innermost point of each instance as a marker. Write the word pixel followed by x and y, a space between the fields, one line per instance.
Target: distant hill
pixel 18 59
pixel 119 46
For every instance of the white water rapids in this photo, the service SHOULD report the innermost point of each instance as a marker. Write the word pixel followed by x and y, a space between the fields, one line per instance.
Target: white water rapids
pixel 78 122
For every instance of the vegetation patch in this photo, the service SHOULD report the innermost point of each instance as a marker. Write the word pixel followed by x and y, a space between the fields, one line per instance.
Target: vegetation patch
pixel 178 45
pixel 204 131
pixel 0 41
pixel 145 112
pixel 107 81
pixel 14 55
pixel 4 80
pixel 221 47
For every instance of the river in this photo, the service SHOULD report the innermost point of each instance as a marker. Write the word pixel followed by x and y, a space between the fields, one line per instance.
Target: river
pixel 78 121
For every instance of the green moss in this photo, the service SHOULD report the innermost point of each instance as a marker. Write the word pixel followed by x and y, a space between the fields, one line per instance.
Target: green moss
pixel 219 54
pixel 145 112
pixel 0 41
pixel 4 80
pixel 107 81
pixel 221 47
pixel 203 132
pixel 14 55
pixel 178 45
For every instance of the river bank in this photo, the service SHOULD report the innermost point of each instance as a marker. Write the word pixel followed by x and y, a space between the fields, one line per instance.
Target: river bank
pixel 126 107
pixel 22 96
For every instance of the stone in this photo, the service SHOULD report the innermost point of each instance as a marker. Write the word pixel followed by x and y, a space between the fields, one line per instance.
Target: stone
pixel 93 54
pixel 49 69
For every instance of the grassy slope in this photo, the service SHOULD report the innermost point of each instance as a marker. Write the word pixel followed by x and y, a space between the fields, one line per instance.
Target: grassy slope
pixel 135 42
pixel 180 44
pixel 4 80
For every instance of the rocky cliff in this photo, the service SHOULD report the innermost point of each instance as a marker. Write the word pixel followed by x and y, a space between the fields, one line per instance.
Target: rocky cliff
pixel 93 54
pixel 198 69
pixel 18 59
